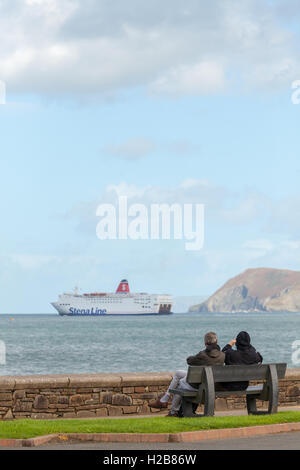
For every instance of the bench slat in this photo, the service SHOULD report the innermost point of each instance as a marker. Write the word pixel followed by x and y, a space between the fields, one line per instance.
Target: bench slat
pixel 235 373
pixel 251 390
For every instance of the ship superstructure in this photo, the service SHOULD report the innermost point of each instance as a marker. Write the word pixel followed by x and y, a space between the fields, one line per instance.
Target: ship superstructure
pixel 122 302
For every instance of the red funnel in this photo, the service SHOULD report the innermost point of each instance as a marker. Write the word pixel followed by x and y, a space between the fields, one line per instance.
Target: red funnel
pixel 123 287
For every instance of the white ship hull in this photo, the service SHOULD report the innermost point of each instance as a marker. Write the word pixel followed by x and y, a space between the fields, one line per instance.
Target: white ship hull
pixel 118 303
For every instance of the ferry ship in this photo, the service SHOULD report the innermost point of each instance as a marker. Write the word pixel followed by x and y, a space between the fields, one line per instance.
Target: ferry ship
pixel 122 302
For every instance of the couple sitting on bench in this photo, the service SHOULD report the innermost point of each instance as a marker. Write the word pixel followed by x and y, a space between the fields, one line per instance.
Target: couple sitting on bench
pixel 210 356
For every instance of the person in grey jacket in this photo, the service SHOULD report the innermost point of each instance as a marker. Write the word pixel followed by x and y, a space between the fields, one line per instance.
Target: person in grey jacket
pixel 211 355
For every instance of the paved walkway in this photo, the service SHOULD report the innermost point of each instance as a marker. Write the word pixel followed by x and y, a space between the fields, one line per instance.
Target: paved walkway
pixel 287 441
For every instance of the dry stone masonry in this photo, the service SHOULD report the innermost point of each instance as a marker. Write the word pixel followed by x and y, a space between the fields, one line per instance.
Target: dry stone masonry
pixel 101 395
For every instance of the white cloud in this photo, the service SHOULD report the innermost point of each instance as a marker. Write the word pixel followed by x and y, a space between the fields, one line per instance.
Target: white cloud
pixel 188 191
pixel 195 79
pixel 247 206
pixel 34 262
pixel 224 262
pixel 31 261
pixel 91 47
pixel 278 252
pixel 228 217
pixel 139 147
pixel 258 248
pixel 221 204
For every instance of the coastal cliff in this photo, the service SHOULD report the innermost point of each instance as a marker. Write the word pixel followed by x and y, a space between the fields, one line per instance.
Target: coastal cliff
pixel 258 289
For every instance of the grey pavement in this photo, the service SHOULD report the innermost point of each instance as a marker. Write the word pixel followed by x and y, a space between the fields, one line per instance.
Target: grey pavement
pixel 284 441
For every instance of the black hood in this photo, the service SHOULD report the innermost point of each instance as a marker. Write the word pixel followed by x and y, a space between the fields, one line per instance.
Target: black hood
pixel 243 340
pixel 245 353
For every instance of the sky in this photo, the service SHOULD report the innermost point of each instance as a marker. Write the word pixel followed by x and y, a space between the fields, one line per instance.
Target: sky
pixel 166 102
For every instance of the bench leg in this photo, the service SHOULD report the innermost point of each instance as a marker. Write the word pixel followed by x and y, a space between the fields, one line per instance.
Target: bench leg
pixel 188 409
pixel 209 404
pixel 208 388
pixel 273 389
pixel 251 405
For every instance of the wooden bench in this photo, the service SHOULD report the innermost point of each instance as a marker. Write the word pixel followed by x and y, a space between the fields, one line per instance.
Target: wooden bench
pixel 205 378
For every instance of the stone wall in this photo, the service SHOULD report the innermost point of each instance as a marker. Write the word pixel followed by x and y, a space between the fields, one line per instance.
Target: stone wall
pixel 92 395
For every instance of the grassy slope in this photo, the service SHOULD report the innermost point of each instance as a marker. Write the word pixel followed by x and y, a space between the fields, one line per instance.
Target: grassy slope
pixel 26 428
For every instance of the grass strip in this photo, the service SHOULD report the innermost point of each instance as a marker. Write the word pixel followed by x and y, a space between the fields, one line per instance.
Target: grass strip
pixel 26 428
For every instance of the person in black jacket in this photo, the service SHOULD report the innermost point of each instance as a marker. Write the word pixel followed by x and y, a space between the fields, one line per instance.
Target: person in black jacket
pixel 210 356
pixel 245 353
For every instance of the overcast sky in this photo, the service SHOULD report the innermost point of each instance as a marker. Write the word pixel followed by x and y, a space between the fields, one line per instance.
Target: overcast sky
pixel 174 101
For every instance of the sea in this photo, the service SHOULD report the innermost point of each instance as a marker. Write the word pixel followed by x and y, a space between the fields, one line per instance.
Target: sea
pixel 51 344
